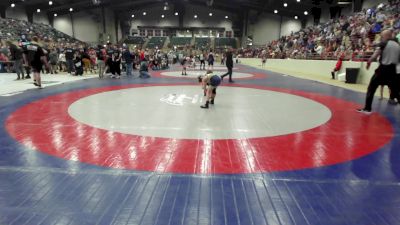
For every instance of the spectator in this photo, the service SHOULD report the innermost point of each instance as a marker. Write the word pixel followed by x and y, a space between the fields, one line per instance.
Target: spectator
pixel 144 69
pixel 16 56
pixel 62 62
pixel 78 64
pixel 53 58
pixel 69 57
pixel 128 58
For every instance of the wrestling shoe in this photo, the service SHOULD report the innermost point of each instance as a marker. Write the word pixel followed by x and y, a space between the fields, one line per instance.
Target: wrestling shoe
pixel 364 111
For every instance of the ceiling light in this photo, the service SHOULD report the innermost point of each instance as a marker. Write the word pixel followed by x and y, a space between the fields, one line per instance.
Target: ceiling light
pixel 345 2
pixel 275 11
pixel 305 13
pixel 176 13
pixel 55 15
pixel 38 10
pixel 226 17
pixel 195 16
pixel 210 14
pixel 133 15
pixel 71 9
pixel 296 17
pixel 285 4
pixel 12 5
pixel 50 2
pixel 144 13
pixel 298 0
pixel 162 16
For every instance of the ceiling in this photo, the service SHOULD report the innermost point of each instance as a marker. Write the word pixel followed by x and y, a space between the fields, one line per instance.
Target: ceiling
pixel 125 6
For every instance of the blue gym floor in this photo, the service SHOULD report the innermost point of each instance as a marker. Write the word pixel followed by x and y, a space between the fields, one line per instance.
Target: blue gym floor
pixel 39 188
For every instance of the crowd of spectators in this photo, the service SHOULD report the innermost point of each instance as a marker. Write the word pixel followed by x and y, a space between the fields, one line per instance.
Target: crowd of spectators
pixel 19 31
pixel 13 29
pixel 352 36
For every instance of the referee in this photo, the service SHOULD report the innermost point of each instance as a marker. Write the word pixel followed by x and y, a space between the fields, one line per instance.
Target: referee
pixel 388 52
pixel 229 65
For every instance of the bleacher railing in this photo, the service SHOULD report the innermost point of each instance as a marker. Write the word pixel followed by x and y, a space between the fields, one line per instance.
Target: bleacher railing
pixel 355 56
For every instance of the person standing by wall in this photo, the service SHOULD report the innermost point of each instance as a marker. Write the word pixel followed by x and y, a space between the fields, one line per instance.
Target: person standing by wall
pixel 101 60
pixel 338 66
pixel 86 60
pixel 388 52
pixel 210 60
pixel 202 61
pixel 229 65
pixel 109 62
pixel 69 58
pixel 17 56
pixel 263 60
pixel 53 56
pixel 62 62
pixel 128 58
pixel 116 64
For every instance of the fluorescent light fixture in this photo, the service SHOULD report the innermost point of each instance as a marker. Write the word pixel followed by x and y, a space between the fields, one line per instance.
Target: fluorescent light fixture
pixel 345 2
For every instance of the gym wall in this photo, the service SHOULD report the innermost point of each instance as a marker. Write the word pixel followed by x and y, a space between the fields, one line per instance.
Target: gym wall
pixel 153 18
pixel 371 3
pixel 268 28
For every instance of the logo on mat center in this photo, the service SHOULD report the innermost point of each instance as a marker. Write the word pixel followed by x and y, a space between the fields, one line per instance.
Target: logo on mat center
pixel 180 99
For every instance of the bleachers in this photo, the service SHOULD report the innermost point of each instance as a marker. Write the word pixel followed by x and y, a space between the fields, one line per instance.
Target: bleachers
pixel 353 36
pixel 202 43
pixel 180 41
pixel 13 29
pixel 225 42
pixel 156 42
pixel 135 40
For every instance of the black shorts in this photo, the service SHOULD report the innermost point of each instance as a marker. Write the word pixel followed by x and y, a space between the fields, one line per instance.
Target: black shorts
pixel 211 63
pixel 37 67
pixel 109 62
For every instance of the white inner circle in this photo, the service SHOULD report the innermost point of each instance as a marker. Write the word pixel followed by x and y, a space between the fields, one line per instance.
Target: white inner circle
pixel 196 73
pixel 214 68
pixel 174 112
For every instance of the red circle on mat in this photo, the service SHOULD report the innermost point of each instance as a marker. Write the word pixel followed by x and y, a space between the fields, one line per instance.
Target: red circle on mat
pixel 46 126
